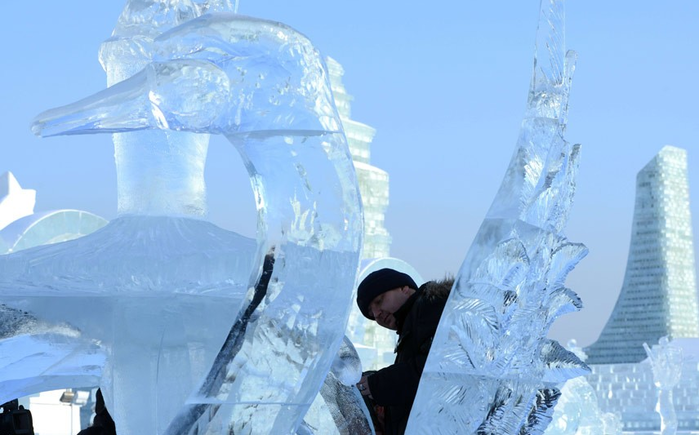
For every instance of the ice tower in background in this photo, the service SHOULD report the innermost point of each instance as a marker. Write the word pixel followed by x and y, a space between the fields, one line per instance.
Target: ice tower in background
pixel 375 344
pixel 658 297
pixel 659 294
pixel 373 182
pixel 491 369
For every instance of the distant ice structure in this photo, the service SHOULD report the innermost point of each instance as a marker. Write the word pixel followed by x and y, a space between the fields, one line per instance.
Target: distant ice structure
pixel 373 182
pixel 660 275
pixel 21 228
pixel 628 389
pixel 207 338
pixel 376 344
pixel 491 369
pixel 577 411
pixel 15 202
pixel 666 361
pixel 665 280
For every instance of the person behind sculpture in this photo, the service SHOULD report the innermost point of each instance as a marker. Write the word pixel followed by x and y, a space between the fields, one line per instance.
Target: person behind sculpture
pixel 394 301
pixel 102 424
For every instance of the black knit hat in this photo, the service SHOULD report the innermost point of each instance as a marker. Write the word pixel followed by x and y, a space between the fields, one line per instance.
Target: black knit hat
pixel 377 283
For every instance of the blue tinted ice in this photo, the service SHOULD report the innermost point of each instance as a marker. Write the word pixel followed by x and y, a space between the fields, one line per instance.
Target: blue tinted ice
pixel 211 331
pixel 491 369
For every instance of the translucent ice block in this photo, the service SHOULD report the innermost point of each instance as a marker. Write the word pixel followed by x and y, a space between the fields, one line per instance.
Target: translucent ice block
pixel 265 87
pixel 491 369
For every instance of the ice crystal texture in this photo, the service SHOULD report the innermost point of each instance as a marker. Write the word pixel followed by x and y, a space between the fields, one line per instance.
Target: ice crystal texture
pixel 577 411
pixel 204 331
pixel 339 408
pixel 491 369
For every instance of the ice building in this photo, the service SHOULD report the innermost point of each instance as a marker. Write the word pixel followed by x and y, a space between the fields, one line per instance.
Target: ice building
pixel 628 390
pixel 374 343
pixel 373 182
pixel 658 298
pixel 659 295
pixel 21 228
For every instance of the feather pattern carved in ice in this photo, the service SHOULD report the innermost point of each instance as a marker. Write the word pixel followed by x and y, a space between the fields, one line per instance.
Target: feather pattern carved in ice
pixel 491 369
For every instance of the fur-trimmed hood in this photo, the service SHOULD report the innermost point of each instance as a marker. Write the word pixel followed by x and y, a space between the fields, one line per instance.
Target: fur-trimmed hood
pixel 437 289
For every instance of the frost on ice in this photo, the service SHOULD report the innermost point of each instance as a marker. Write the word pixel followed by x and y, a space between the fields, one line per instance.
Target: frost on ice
pixel 491 369
pixel 211 331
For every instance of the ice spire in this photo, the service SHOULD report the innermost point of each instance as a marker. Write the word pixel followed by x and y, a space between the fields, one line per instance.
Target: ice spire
pixel 491 369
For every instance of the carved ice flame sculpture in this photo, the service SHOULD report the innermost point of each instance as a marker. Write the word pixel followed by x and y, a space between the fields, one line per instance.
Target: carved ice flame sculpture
pixel 491 369
pixel 157 290
pixel 666 362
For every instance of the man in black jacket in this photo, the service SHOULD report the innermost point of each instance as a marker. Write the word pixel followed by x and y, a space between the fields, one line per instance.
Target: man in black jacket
pixel 394 301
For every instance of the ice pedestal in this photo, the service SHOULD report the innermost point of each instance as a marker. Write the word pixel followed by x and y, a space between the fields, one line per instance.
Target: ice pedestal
pixel 110 295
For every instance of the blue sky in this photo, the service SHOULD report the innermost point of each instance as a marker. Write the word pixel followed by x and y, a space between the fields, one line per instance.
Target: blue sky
pixel 444 84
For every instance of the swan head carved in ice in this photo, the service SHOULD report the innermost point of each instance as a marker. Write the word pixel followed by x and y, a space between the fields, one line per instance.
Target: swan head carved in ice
pixel 265 87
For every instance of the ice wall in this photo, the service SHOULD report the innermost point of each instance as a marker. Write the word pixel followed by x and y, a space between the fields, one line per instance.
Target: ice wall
pixel 491 369
pixel 212 332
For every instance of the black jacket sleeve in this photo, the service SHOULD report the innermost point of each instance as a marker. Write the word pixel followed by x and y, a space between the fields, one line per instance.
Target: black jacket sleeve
pixel 396 384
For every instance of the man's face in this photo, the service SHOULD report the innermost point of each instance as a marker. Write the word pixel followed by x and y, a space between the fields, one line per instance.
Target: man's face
pixel 384 305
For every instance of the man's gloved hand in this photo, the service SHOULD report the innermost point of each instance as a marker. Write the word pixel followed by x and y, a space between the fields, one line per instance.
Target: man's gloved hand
pixel 363 386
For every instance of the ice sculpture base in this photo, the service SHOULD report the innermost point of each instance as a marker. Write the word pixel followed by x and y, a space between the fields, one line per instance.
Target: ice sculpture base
pixel 156 295
pixel 135 255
